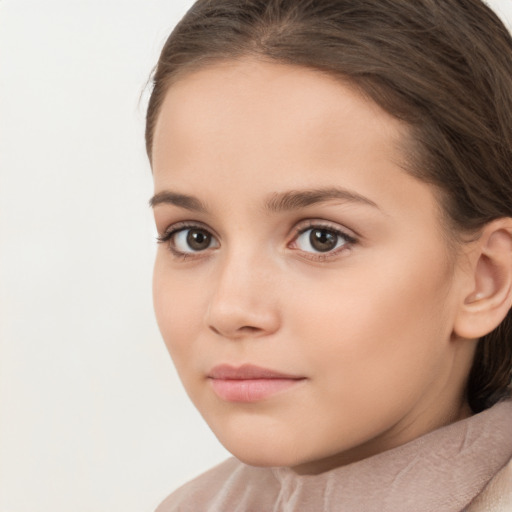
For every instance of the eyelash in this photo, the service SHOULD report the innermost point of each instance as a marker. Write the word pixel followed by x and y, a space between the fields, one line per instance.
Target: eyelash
pixel 167 236
pixel 348 240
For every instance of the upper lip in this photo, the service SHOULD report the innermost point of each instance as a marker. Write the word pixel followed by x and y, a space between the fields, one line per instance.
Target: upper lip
pixel 247 372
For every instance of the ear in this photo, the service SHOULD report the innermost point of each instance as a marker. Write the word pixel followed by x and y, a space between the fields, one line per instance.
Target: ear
pixel 487 296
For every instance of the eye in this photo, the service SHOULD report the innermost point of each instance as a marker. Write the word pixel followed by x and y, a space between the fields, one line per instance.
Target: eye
pixel 319 239
pixel 189 240
pixel 192 240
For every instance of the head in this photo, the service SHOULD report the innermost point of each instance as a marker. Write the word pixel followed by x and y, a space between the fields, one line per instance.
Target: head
pixel 334 180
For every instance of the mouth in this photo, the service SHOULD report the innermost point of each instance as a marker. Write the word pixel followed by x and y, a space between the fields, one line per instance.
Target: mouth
pixel 249 383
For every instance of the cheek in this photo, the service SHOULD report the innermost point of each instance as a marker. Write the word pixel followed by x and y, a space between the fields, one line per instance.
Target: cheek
pixel 177 308
pixel 381 330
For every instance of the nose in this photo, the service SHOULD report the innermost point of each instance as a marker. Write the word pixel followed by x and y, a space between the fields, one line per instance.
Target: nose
pixel 244 301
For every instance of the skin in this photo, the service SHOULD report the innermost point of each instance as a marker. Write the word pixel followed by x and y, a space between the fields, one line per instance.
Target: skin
pixel 369 326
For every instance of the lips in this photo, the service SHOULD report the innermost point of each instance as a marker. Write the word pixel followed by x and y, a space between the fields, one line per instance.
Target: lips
pixel 247 371
pixel 249 383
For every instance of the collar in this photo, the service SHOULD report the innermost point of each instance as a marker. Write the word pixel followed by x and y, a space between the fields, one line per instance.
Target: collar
pixel 442 470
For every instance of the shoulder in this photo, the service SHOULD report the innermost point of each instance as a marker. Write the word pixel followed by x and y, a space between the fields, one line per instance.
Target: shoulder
pixel 228 486
pixel 497 495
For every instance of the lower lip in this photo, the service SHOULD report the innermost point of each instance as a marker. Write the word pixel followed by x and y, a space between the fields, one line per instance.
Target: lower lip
pixel 250 390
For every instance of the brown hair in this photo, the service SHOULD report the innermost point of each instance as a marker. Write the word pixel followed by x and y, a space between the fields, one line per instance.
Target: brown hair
pixel 442 66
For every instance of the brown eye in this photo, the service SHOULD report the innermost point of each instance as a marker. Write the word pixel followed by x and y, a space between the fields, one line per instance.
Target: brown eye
pixel 323 240
pixel 192 240
pixel 198 240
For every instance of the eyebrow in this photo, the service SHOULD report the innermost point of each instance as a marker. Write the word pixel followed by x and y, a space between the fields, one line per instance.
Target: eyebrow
pixel 297 199
pixel 278 202
pixel 181 200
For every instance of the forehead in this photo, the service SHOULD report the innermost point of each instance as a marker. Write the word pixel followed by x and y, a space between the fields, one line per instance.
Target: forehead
pixel 238 104
pixel 246 129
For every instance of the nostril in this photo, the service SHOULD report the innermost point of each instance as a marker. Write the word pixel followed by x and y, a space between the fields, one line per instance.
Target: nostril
pixel 228 318
pixel 216 331
pixel 249 328
pixel 246 329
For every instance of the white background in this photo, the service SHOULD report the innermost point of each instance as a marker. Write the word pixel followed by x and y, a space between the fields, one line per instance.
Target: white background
pixel 92 416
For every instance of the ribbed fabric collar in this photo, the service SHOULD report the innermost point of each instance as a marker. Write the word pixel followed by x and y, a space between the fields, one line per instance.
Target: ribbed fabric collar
pixel 440 471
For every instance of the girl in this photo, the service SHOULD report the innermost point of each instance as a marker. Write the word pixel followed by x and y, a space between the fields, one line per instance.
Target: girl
pixel 334 275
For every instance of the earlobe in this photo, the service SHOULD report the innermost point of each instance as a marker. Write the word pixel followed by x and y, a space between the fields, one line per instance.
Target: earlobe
pixel 490 276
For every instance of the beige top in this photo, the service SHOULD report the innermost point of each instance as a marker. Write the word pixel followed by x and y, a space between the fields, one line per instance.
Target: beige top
pixel 442 471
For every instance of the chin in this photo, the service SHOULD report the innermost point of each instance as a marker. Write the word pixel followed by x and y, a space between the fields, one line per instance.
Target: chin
pixel 260 458
pixel 270 450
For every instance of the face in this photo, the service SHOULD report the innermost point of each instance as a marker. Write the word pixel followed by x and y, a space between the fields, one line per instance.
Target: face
pixel 303 284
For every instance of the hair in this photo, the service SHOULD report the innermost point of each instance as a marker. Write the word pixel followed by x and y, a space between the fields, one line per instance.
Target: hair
pixel 444 67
